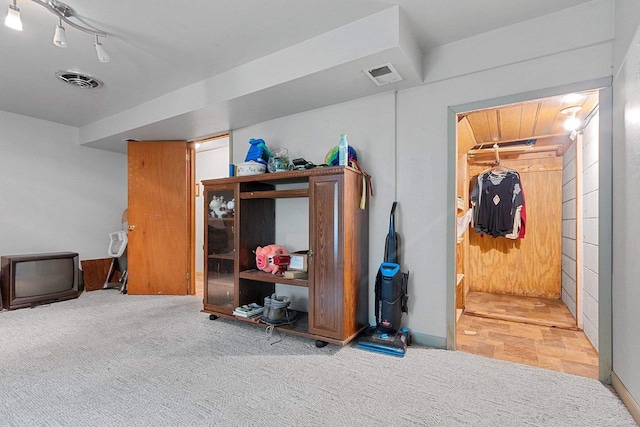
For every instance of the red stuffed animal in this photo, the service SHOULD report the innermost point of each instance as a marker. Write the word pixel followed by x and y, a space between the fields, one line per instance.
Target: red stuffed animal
pixel 272 259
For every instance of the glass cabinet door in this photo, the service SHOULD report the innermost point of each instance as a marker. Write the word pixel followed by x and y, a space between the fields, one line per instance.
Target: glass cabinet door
pixel 219 290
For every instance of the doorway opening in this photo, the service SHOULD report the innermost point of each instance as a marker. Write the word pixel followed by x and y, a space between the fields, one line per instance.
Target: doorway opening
pixel 528 292
pixel 212 161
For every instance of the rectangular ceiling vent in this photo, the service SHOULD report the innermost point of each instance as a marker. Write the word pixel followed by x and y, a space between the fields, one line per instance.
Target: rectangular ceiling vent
pixel 383 74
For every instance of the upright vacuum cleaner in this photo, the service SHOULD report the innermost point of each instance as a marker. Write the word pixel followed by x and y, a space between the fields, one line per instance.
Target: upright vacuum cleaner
pixel 390 301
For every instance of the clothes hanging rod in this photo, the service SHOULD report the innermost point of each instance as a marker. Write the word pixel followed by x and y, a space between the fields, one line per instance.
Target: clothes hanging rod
pixel 495 151
pixel 523 140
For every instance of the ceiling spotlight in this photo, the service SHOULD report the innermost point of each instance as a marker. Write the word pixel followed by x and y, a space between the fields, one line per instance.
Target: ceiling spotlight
pixel 59 37
pixel 13 20
pixel 102 54
pixel 572 123
pixel 64 13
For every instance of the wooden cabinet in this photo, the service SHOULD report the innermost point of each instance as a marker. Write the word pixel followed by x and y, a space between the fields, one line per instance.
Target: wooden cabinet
pixel 338 280
pixel 220 253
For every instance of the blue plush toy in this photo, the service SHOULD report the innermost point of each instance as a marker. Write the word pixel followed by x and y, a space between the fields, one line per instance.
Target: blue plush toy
pixel 258 152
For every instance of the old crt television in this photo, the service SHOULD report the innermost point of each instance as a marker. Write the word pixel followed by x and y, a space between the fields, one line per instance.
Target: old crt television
pixel 29 280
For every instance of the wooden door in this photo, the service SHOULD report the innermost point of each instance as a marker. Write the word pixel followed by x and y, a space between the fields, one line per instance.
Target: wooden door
pixel 160 253
pixel 326 266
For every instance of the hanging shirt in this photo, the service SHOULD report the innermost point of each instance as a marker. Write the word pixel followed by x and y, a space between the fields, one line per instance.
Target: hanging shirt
pixel 498 201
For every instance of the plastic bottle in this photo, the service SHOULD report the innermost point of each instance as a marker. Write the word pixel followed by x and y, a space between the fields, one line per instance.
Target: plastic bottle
pixel 343 151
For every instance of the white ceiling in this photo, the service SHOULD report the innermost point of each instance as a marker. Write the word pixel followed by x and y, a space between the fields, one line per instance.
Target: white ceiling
pixel 160 50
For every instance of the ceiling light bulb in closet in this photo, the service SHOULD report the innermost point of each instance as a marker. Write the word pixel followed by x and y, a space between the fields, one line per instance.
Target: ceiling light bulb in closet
pixel 59 37
pixel 573 98
pixel 572 123
pixel 13 20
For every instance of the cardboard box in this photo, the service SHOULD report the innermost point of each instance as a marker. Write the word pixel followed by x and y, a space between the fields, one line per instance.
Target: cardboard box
pixel 296 274
pixel 298 261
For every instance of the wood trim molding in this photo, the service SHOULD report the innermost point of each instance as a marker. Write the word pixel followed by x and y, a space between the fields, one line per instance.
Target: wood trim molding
pixel 626 397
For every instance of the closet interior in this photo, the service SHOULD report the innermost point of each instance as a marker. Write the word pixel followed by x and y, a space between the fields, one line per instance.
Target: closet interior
pixel 520 217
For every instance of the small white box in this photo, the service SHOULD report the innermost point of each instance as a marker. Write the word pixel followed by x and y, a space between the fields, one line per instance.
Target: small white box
pixel 298 261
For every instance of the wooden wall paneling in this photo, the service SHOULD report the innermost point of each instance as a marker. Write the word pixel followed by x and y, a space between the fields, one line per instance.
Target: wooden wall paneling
pixel 529 118
pixel 547 123
pixel 494 126
pixel 529 266
pixel 466 139
pixel 462 193
pixel 509 120
pixel 480 126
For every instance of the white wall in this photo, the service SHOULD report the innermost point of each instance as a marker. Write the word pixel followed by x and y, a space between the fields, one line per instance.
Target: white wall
pixel 210 164
pixel 590 215
pixel 626 205
pixel 56 195
pixel 569 252
pixel 585 263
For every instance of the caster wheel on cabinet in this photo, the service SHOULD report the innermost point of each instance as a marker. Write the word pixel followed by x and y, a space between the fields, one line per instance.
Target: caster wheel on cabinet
pixel 212 317
pixel 321 344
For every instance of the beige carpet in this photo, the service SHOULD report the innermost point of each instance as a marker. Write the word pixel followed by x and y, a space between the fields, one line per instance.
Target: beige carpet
pixel 108 359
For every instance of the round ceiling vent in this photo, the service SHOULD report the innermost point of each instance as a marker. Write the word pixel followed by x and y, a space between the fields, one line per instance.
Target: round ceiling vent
pixel 83 81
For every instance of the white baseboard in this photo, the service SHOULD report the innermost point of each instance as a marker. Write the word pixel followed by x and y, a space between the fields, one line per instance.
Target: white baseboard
pixel 626 397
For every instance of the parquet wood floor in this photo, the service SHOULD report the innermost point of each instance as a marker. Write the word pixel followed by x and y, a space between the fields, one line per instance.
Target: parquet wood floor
pixel 536 311
pixel 548 347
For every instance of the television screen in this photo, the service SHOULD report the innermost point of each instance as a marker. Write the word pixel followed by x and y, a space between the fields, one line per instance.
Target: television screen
pixel 43 277
pixel 29 280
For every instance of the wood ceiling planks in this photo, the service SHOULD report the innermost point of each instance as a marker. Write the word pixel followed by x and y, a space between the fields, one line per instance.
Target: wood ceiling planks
pixel 541 120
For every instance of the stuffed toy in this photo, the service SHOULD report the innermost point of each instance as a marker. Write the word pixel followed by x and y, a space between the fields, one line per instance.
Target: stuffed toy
pixel 231 207
pixel 218 207
pixel 272 259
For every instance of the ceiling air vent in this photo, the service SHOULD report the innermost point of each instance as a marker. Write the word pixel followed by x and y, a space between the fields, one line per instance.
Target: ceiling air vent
pixel 383 74
pixel 83 81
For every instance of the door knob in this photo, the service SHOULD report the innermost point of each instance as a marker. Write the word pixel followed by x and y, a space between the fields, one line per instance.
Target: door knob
pixel 131 227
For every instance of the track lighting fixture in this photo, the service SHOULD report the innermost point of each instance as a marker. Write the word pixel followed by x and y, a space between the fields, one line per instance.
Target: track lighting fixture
pixel 102 55
pixel 59 37
pixel 13 20
pixel 64 13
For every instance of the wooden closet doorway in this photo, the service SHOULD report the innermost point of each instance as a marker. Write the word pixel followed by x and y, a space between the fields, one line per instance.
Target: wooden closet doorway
pixel 161 202
pixel 534 281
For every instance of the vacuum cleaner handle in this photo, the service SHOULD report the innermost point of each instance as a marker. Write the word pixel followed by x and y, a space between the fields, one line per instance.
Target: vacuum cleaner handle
pixel 405 296
pixel 392 226
pixel 391 242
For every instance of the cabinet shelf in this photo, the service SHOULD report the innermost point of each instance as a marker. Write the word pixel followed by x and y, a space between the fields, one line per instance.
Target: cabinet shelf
pixel 261 276
pixel 226 255
pixel 300 326
pixel 275 194
pixel 212 220
pixel 224 279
